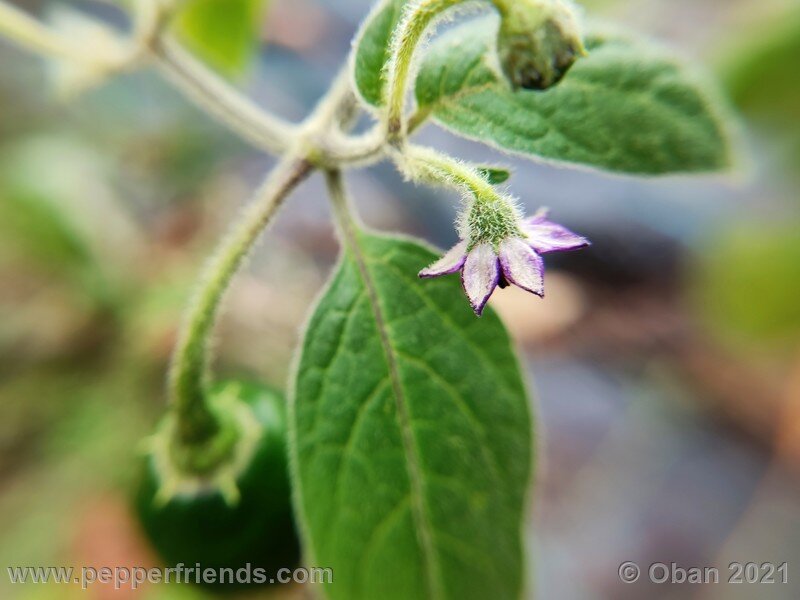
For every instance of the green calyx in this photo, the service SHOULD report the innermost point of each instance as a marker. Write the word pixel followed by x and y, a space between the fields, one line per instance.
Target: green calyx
pixel 490 221
pixel 538 41
pixel 214 464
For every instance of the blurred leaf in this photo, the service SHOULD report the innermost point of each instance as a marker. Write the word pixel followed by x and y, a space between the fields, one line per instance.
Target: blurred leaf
pixel 412 435
pixel 627 107
pixel 749 283
pixel 62 214
pixel 31 230
pixel 763 77
pixel 495 175
pixel 226 33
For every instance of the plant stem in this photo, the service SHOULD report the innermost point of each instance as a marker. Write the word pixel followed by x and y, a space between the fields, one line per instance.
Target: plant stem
pixel 203 87
pixel 419 16
pixel 215 96
pixel 407 36
pixel 340 205
pixel 424 163
pixel 260 128
pixel 189 375
pixel 29 33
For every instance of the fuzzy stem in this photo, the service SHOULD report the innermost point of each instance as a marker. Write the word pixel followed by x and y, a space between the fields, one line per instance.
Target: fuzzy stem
pixel 189 375
pixel 340 205
pixel 33 35
pixel 419 16
pixel 422 163
pixel 207 90
pixel 215 96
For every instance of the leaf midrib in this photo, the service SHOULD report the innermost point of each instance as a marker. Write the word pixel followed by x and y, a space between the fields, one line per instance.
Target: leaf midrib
pixel 419 510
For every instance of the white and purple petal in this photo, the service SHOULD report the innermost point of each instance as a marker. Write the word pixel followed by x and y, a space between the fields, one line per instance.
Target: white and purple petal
pixel 480 275
pixel 522 266
pixel 451 261
pixel 546 236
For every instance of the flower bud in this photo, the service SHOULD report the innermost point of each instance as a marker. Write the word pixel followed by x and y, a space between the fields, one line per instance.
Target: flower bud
pixel 538 41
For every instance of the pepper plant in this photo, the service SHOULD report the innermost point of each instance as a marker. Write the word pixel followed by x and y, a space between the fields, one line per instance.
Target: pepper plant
pixel 410 436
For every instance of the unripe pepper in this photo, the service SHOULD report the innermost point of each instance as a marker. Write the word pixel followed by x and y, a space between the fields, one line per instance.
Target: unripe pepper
pixel 233 521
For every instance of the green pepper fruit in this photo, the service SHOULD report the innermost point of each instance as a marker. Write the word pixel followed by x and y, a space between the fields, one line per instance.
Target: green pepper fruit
pixel 209 525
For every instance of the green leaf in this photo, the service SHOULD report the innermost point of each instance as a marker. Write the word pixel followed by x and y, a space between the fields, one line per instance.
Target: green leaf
pixel 411 435
pixel 372 49
pixel 626 107
pixel 223 32
pixel 495 175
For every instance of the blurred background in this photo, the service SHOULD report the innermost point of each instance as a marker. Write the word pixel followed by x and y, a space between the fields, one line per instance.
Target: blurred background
pixel 665 359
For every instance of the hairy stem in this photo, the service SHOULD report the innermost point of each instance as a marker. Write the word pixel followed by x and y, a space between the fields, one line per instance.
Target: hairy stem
pixel 206 89
pixel 419 16
pixel 216 97
pixel 425 164
pixel 33 35
pixel 189 375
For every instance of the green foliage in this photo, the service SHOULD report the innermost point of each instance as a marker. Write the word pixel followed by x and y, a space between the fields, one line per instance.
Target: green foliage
pixel 749 283
pixel 411 431
pixel 495 175
pixel 411 435
pixel 763 78
pixel 372 50
pixel 37 214
pixel 32 228
pixel 223 32
pixel 624 108
pixel 51 222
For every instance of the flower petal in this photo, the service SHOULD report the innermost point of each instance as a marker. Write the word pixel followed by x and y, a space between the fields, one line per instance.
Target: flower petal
pixel 451 262
pixel 480 275
pixel 545 236
pixel 522 266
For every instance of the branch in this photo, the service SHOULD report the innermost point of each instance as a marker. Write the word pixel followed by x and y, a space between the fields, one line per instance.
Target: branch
pixel 29 33
pixel 189 374
pixel 215 96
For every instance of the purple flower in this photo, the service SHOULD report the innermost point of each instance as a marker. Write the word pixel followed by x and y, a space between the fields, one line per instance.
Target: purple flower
pixel 515 260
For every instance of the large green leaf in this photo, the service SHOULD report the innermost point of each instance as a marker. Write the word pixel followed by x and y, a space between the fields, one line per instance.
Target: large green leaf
pixel 223 32
pixel 372 49
pixel 627 107
pixel 411 435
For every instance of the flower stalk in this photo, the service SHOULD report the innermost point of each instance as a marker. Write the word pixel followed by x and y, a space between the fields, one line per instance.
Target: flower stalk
pixel 423 164
pixel 198 425
pixel 538 42
pixel 189 378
